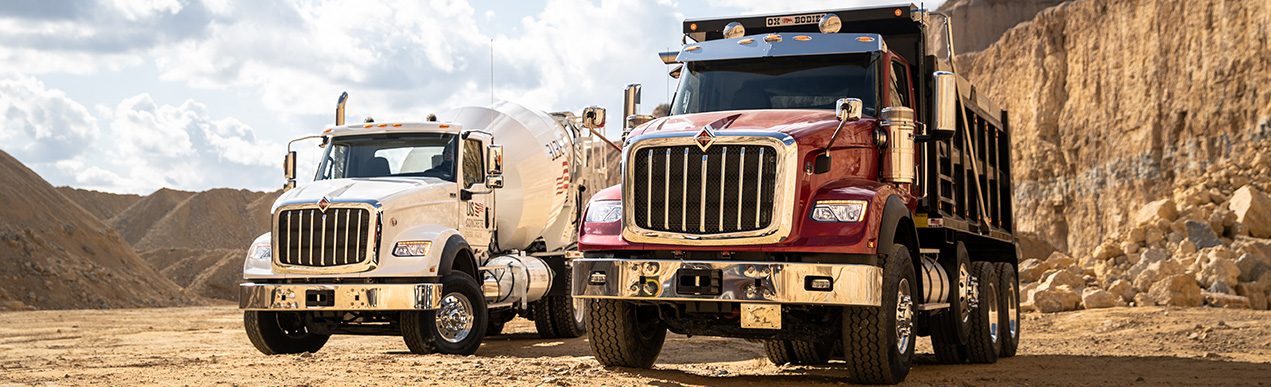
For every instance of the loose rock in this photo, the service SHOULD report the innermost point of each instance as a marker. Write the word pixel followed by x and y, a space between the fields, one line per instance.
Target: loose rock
pixel 1253 209
pixel 1177 290
pixel 1202 235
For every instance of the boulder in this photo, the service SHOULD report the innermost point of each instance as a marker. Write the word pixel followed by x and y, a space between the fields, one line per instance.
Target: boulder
pixel 1160 209
pixel 1185 247
pixel 1251 268
pixel 1094 298
pixel 1107 251
pixel 1220 287
pixel 1144 299
pixel 1060 260
pixel 1138 235
pixel 1068 297
pixel 1256 294
pixel 1226 300
pixel 1031 270
pixel 1062 278
pixel 1129 247
pixel 1154 236
pixel 1047 301
pixel 1218 269
pixel 1253 210
pixel 1122 288
pixel 1178 290
pixel 1201 235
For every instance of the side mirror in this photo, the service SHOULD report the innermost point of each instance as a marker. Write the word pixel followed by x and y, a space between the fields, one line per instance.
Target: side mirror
pixel 594 117
pixel 635 120
pixel 944 103
pixel 848 109
pixel 289 166
pixel 631 101
pixel 494 159
pixel 675 72
pixel 493 181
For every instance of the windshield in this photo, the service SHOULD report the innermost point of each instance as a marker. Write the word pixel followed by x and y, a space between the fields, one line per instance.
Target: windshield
pixel 392 154
pixel 795 82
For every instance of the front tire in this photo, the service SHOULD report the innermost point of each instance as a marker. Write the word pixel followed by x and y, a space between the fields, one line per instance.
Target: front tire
pixel 624 334
pixel 275 333
pixel 984 344
pixel 456 328
pixel 879 341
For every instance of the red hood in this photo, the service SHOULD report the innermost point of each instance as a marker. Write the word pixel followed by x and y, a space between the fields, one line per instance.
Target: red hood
pixel 806 126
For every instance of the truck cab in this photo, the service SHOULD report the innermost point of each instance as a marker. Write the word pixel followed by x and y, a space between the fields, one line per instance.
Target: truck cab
pixel 825 183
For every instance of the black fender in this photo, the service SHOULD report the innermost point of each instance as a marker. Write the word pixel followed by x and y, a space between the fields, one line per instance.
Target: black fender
pixel 895 217
pixel 452 249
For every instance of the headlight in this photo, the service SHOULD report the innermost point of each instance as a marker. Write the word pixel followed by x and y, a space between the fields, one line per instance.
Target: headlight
pixel 839 210
pixel 411 248
pixel 604 211
pixel 260 251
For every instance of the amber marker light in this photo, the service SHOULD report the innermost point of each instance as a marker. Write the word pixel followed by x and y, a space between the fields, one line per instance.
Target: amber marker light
pixel 692 27
pixel 897 12
pixel 367 125
pixel 443 126
pixel 803 38
pixel 397 125
pixel 327 131
pixel 772 38
pixel 746 41
pixel 865 39
pixel 383 125
pixel 692 48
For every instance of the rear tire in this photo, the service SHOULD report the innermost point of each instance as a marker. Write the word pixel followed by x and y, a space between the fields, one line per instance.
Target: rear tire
pixel 624 334
pixel 879 341
pixel 983 344
pixel 798 352
pixel 456 328
pixel 561 316
pixel 276 333
pixel 951 327
pixel 1008 298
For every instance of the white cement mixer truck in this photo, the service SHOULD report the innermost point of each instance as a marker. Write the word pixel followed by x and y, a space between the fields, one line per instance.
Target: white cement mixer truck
pixel 439 231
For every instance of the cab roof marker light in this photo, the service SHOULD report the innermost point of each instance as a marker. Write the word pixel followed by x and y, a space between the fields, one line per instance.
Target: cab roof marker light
pixel 865 39
pixel 772 38
pixel 746 41
pixel 692 48
pixel 328 130
pixel 383 125
pixel 692 27
pixel 397 125
pixel 802 38
pixel 368 125
pixel 444 126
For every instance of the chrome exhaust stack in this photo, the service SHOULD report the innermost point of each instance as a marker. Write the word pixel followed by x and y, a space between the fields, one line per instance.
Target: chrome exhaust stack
pixel 339 109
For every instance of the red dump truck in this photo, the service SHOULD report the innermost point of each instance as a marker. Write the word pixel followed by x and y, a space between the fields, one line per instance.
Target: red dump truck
pixel 826 184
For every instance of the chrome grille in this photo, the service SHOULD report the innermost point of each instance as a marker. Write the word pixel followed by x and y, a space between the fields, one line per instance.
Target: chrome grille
pixel 681 189
pixel 313 238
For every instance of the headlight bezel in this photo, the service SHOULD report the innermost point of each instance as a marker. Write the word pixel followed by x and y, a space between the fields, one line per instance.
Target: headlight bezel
pixel 839 211
pixel 260 251
pixel 604 211
pixel 412 248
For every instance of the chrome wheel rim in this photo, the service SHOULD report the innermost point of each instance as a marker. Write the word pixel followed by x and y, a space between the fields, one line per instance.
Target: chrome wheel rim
pixel 904 316
pixel 991 304
pixel 1012 311
pixel 580 310
pixel 454 318
pixel 964 292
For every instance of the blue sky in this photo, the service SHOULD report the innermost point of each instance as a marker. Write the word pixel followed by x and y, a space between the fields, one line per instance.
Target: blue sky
pixel 129 96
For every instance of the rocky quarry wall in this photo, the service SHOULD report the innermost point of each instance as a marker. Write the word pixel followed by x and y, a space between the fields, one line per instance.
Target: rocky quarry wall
pixel 1140 148
pixel 979 23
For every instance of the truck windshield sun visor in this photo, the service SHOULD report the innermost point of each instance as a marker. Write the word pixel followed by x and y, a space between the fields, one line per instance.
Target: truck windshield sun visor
pixel 390 155
pixel 811 82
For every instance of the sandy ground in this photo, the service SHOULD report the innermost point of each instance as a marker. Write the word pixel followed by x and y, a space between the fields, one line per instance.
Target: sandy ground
pixel 206 346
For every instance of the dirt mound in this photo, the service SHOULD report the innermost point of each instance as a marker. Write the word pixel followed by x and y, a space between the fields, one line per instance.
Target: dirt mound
pixel 979 23
pixel 54 254
pixel 135 222
pixel 208 273
pixel 1112 102
pixel 215 219
pixel 103 205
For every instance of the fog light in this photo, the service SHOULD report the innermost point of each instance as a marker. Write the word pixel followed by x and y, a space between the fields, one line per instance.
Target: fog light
pixel 597 278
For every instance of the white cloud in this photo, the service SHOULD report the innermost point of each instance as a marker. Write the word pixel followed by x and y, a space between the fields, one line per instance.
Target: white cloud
pixel 42 125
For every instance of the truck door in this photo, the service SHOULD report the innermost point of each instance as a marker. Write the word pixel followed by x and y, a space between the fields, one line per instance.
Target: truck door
pixel 476 212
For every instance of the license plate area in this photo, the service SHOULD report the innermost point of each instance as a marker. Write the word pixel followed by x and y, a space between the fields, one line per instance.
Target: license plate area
pixel 699 282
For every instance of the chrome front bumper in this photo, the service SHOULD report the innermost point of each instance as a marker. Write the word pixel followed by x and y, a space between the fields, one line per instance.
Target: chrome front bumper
pixel 339 297
pixel 749 282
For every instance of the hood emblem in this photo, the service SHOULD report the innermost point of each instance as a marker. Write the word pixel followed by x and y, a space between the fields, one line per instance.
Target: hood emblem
pixel 704 138
pixel 323 204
